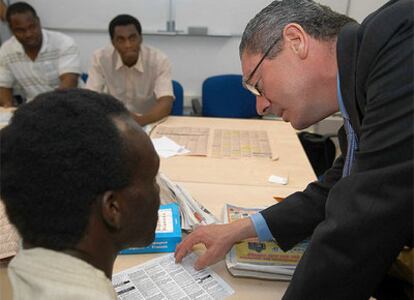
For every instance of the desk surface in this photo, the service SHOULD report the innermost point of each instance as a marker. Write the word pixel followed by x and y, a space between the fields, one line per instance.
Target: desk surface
pixel 292 161
pixel 196 174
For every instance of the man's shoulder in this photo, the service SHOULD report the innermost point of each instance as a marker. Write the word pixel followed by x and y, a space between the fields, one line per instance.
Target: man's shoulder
pixel 58 39
pixel 10 46
pixel 389 17
pixel 153 53
pixel 103 54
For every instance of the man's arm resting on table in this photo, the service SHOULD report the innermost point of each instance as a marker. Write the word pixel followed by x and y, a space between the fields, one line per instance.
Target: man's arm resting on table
pixel 6 97
pixel 218 239
pixel 68 80
pixel 160 110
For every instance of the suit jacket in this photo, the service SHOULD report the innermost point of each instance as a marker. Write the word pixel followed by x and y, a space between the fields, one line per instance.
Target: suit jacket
pixel 361 222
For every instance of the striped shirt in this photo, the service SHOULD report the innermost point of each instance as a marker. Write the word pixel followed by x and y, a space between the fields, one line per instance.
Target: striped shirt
pixel 58 55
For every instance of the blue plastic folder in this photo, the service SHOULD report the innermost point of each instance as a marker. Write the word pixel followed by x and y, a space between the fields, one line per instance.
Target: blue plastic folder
pixel 167 234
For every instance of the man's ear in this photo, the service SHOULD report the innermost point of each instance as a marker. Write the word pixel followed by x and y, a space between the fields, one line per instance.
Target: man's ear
pixel 295 38
pixel 111 210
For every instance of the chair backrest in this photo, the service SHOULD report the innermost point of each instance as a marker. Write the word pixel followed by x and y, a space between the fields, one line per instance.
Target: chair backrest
pixel 177 109
pixel 84 77
pixel 225 96
pixel 320 150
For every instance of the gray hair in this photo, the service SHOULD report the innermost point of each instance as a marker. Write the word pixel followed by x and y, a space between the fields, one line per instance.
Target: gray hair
pixel 266 28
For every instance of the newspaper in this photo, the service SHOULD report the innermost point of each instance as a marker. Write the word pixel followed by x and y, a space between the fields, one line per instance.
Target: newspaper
pixel 161 278
pixel 251 258
pixel 192 212
pixel 193 138
pixel 9 238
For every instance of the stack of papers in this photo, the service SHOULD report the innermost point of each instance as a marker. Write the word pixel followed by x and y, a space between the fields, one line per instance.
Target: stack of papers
pixel 265 260
pixel 166 147
pixel 192 212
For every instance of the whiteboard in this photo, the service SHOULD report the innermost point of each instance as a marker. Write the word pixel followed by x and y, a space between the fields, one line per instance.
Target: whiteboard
pixel 221 17
pixel 228 16
pixel 96 14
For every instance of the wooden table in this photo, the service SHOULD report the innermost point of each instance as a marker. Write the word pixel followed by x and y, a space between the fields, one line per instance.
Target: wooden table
pixel 204 176
pixel 243 182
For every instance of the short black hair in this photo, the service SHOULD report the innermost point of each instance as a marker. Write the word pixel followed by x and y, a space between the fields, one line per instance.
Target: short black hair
pixel 123 20
pixel 19 8
pixel 58 154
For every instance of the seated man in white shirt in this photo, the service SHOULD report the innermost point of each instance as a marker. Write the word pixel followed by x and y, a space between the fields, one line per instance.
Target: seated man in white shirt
pixel 78 183
pixel 136 74
pixel 34 59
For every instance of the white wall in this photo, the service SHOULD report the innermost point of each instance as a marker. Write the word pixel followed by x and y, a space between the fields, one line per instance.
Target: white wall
pixel 194 58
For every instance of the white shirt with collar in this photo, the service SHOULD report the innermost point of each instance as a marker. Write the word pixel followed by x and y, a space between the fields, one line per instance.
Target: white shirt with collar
pixel 45 274
pixel 139 86
pixel 58 55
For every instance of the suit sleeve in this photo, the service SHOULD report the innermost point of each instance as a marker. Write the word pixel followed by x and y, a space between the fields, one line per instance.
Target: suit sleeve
pixel 368 215
pixel 294 219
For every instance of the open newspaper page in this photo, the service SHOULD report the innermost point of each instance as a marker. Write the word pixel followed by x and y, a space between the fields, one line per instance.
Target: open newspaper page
pixel 161 278
pixel 251 258
pixel 192 212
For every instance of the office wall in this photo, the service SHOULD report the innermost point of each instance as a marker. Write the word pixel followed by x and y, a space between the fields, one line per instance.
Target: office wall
pixel 194 58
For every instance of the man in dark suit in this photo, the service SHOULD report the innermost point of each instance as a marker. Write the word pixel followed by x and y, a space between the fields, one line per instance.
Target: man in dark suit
pixel 304 62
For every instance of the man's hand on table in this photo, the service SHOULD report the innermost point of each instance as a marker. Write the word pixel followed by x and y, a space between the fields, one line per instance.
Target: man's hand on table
pixel 218 239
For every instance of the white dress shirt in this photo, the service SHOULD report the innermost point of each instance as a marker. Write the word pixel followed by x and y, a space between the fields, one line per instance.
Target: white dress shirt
pixel 139 86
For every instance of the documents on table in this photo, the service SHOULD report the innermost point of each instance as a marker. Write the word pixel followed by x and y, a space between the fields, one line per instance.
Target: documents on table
pixel 266 260
pixel 192 212
pixel 229 143
pixel 226 143
pixel 194 139
pixel 162 278
pixel 166 147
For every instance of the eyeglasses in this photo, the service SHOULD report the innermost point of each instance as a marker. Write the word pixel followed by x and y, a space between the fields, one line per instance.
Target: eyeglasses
pixel 254 89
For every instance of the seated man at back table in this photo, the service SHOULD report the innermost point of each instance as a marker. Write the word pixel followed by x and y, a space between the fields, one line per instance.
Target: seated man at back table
pixel 78 182
pixel 138 75
pixel 37 60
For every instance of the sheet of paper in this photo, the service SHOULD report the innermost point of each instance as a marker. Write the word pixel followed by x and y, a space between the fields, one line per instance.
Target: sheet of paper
pixel 194 139
pixel 161 278
pixel 228 143
pixel 166 147
pixel 5 117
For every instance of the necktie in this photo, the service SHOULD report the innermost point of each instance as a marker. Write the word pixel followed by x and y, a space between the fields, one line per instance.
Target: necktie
pixel 352 146
pixel 351 137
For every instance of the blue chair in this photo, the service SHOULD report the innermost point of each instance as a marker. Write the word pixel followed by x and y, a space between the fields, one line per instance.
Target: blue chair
pixel 177 109
pixel 225 96
pixel 84 77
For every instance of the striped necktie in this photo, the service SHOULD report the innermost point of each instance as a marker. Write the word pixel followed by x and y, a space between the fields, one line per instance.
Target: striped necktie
pixel 351 137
